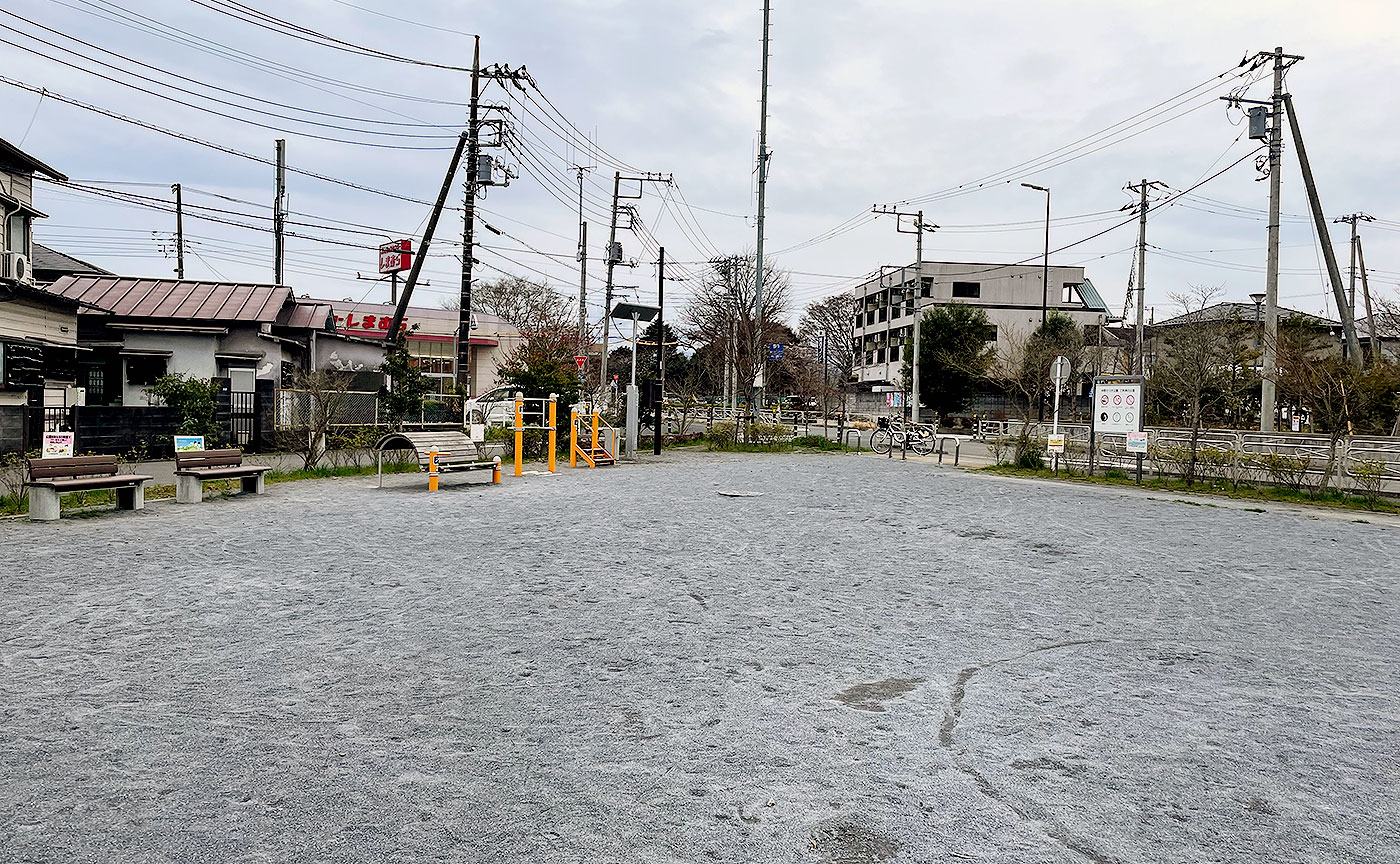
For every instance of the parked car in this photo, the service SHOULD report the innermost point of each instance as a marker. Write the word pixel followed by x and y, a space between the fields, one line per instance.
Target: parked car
pixel 495 407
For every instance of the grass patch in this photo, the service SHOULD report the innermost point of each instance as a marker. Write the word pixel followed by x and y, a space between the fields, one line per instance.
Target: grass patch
pixel 816 442
pixel 1333 498
pixel 322 472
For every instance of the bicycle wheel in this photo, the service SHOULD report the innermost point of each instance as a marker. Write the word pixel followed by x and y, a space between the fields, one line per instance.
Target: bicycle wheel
pixel 923 443
pixel 880 441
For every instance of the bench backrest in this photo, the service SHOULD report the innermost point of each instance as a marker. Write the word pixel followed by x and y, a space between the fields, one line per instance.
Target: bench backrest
pixel 74 466
pixel 207 459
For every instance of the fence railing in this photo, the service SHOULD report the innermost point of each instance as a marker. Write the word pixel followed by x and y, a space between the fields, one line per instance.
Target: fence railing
pixel 1239 451
pixel 297 409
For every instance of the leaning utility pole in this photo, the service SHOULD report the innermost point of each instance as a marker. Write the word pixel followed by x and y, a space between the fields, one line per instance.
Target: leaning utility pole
pixel 1329 255
pixel 422 254
pixel 759 356
pixel 179 232
pixel 918 232
pixel 1370 316
pixel 279 213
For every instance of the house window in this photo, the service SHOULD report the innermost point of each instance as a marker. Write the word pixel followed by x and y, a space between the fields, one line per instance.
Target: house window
pixel 142 370
pixel 1069 293
pixel 96 394
pixel 967 289
pixel 17 234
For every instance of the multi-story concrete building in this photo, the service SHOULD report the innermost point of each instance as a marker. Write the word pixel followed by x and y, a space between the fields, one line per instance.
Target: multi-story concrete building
pixel 1010 294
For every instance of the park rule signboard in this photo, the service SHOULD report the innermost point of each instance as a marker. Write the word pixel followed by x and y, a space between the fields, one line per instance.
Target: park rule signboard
pixel 1118 404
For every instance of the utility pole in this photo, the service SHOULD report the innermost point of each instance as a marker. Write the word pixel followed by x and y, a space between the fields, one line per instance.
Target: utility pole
pixel 582 265
pixel 423 245
pixel 759 355
pixel 279 213
pixel 660 391
pixel 1370 316
pixel 1329 255
pixel 179 232
pixel 464 300
pixel 1139 359
pixel 1355 239
pixel 918 232
pixel 613 258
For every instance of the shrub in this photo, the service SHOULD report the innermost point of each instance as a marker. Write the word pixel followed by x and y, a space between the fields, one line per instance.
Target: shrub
pixel 1283 470
pixel 1030 452
pixel 194 399
pixel 1369 477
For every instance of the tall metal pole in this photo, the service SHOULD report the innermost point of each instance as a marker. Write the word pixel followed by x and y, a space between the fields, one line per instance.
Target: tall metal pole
pixel 660 348
pixel 1267 388
pixel 759 356
pixel 279 215
pixel 608 290
pixel 464 303
pixel 1138 360
pixel 918 280
pixel 179 232
pixel 1329 255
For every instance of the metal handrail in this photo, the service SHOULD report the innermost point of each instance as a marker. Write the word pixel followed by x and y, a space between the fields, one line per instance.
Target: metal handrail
pixel 846 439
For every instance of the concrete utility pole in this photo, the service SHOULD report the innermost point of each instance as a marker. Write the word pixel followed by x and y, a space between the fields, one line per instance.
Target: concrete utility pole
pixel 1139 353
pixel 582 266
pixel 660 349
pixel 1268 387
pixel 759 355
pixel 1355 239
pixel 1329 255
pixel 179 232
pixel 1370 316
pixel 918 232
pixel 464 300
pixel 614 258
pixel 279 213
pixel 422 253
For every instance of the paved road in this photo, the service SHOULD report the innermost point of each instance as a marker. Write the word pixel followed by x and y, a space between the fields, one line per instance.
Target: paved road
pixel 865 662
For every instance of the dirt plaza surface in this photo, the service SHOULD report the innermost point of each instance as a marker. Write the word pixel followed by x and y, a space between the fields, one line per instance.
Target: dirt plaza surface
pixel 863 662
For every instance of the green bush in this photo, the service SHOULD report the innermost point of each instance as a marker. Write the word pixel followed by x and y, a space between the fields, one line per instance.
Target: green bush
pixel 1030 452
pixel 816 442
pixel 194 399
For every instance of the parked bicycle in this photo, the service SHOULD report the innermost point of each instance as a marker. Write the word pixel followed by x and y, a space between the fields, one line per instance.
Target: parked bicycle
pixel 893 433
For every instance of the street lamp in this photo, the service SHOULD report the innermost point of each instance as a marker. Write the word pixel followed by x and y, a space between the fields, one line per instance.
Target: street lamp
pixel 1045 260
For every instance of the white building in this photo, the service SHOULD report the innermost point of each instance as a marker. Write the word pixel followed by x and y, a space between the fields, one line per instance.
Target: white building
pixel 1010 295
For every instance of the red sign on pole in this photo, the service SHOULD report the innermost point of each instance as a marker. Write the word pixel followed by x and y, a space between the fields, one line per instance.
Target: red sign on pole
pixel 580 360
pixel 396 256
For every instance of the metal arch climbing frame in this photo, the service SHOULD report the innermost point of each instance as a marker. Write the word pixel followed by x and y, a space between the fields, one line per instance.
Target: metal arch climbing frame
pixel 593 451
pixel 548 407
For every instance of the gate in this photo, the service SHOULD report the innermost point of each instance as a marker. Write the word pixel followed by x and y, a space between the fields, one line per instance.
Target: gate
pixel 244 428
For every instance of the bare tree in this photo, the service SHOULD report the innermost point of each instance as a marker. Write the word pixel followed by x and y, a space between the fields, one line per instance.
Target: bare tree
pixel 722 310
pixel 524 304
pixel 321 404
pixel 828 325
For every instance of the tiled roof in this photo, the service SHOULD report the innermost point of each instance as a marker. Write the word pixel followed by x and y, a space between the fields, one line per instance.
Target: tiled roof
pixel 10 155
pixel 53 261
pixel 176 299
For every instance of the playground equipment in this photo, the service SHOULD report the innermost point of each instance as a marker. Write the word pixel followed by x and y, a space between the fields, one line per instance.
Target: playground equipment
pixel 595 453
pixel 547 408
pixel 439 452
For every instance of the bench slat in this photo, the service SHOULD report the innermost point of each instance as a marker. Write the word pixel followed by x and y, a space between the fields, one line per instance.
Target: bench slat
pixel 115 481
pixel 223 471
pixel 75 466
pixel 207 458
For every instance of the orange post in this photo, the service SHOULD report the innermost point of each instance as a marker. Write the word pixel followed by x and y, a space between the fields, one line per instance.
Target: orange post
pixel 432 471
pixel 595 430
pixel 519 437
pixel 496 471
pixel 573 438
pixel 553 439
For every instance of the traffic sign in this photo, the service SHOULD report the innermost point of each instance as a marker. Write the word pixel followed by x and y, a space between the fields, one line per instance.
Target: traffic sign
pixel 775 351
pixel 580 359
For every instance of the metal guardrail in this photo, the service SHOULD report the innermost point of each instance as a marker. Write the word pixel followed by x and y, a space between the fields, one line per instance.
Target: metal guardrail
pixel 846 441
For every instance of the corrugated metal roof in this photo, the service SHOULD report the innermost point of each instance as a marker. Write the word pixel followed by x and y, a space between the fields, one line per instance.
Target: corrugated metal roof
pixel 307 315
pixel 175 299
pixel 1091 296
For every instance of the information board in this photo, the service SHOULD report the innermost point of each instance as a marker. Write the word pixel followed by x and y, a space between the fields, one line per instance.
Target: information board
pixel 1117 406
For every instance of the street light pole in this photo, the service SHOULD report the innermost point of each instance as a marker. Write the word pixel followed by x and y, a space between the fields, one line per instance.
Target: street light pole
pixel 1045 259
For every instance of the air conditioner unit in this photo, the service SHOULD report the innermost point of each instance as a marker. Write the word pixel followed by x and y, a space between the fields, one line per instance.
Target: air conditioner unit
pixel 15 267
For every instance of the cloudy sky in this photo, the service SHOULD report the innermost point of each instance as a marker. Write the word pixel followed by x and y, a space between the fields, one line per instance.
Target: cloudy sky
pixel 947 106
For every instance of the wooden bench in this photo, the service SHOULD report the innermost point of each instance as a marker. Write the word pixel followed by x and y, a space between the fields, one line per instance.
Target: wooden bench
pixel 456 452
pixel 51 479
pixel 194 467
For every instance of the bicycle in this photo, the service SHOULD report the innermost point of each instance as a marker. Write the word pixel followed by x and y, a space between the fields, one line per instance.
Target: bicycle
pixel 895 433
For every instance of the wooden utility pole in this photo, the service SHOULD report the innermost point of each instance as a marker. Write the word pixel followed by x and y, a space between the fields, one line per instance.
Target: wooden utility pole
pixel 279 213
pixel 179 232
pixel 1329 255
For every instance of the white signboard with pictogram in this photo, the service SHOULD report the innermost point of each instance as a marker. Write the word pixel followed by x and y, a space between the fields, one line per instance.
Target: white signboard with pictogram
pixel 1117 406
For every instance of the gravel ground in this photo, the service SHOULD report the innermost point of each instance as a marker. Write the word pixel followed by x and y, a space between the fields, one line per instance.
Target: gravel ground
pixel 866 661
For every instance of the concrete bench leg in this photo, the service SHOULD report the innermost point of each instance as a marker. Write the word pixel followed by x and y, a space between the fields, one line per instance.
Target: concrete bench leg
pixel 188 490
pixel 253 485
pixel 132 497
pixel 43 504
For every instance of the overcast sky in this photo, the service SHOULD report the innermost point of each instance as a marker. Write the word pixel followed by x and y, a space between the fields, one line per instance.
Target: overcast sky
pixel 870 102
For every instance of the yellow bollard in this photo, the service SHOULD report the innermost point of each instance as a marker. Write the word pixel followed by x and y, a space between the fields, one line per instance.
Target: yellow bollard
pixel 552 431
pixel 496 471
pixel 573 438
pixel 595 430
pixel 519 437
pixel 432 471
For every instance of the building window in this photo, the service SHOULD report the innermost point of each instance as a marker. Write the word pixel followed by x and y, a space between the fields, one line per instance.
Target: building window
pixel 967 289
pixel 880 355
pixel 896 311
pixel 870 317
pixel 883 313
pixel 869 357
pixel 142 370
pixel 17 234
pixel 894 354
pixel 96 395
pixel 1069 293
pixel 859 317
pixel 926 286
pixel 991 332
